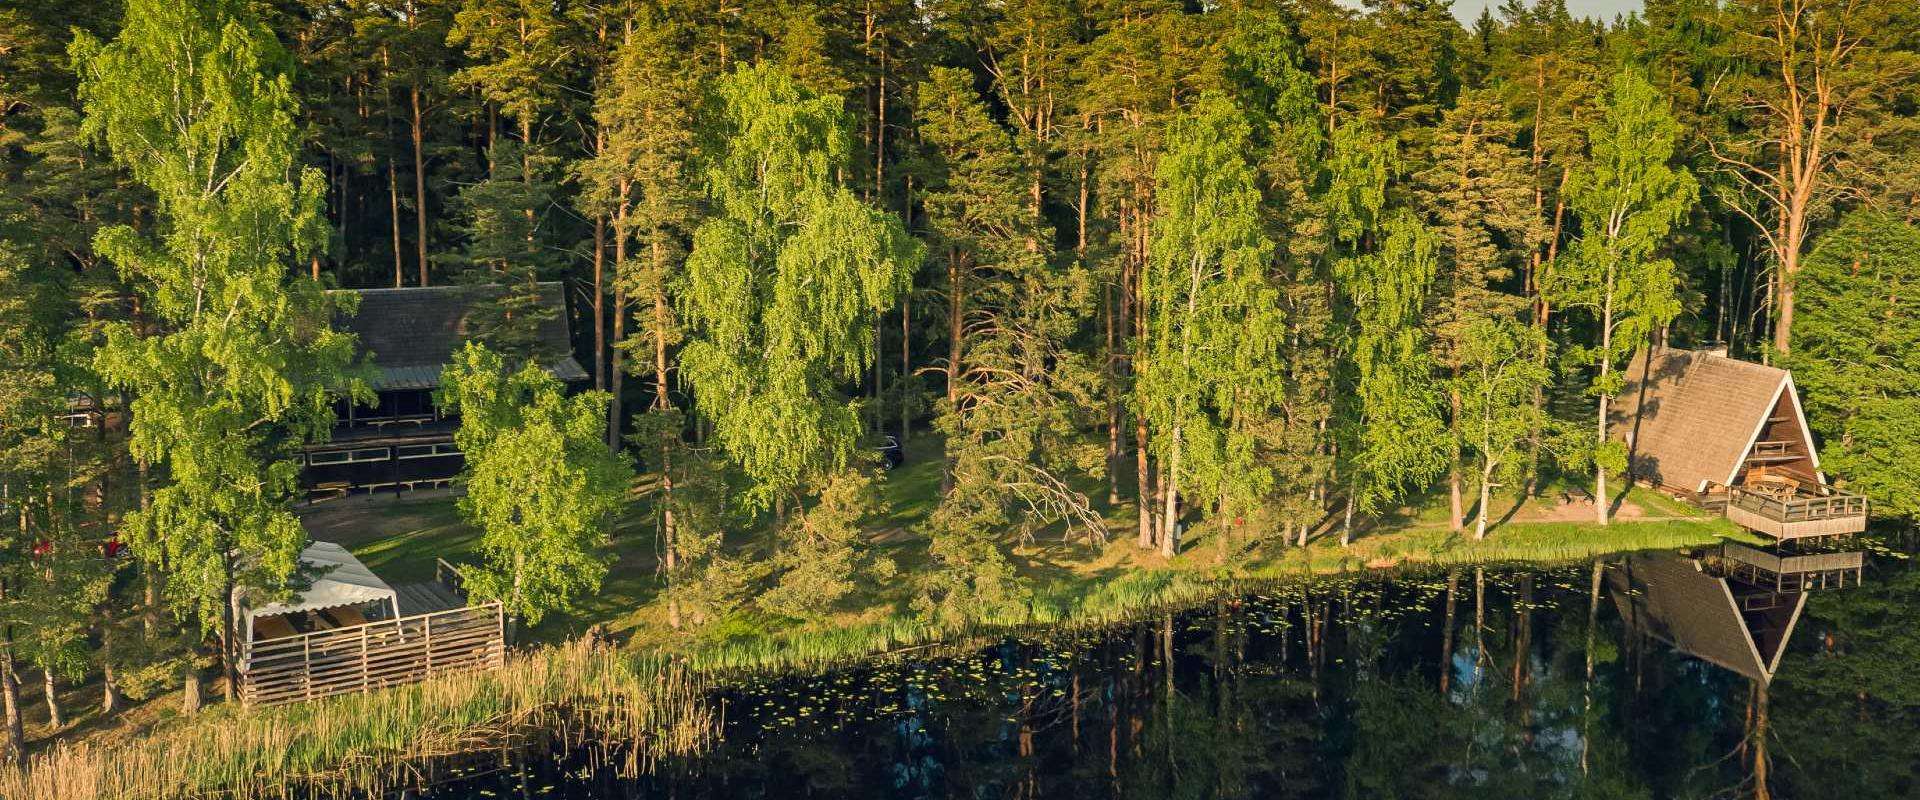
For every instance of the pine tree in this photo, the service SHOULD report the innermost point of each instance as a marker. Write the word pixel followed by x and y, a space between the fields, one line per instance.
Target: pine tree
pixel 1478 199
pixel 641 180
pixel 1017 393
pixel 1853 357
pixel 1823 69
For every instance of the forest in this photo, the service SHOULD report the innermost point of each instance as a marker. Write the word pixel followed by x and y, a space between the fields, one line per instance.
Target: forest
pixel 1261 271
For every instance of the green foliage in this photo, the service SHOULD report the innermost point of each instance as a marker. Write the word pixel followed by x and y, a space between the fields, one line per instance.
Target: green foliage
pixel 1497 378
pixel 505 253
pixel 1397 439
pixel 541 483
pixel 784 282
pixel 1017 392
pixel 1627 195
pixel 1856 357
pixel 1209 366
pixel 238 364
pixel 822 553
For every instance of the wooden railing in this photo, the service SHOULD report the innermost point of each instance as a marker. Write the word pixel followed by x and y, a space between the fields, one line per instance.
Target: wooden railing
pixel 449 576
pixel 362 658
pixel 1799 509
pixel 1788 564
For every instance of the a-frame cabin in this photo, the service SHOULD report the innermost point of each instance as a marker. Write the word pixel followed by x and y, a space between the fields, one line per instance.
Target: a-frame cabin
pixel 1733 433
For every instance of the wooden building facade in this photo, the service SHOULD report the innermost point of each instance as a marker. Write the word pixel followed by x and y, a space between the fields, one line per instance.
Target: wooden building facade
pixel 1731 435
pixel 402 440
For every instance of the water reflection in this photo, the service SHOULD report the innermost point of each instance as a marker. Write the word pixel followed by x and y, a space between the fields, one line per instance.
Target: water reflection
pixel 1669 675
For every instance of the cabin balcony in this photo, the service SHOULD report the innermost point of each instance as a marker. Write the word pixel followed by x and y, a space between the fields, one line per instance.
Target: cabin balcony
pixel 1797 515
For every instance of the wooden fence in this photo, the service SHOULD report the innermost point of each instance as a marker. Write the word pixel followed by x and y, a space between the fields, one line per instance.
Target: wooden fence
pixel 362 658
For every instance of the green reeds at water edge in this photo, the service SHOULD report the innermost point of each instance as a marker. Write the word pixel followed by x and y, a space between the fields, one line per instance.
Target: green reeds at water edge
pixel 365 742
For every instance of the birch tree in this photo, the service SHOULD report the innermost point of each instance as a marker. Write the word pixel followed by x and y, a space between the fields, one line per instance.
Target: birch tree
pixel 1212 352
pixel 784 283
pixel 241 365
pixel 1627 196
pixel 541 484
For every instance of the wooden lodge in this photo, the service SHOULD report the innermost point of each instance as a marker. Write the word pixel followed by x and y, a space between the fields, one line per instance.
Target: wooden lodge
pixel 346 631
pixel 1730 435
pixel 402 441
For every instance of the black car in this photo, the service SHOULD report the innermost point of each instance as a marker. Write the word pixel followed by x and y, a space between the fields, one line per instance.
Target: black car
pixel 890 450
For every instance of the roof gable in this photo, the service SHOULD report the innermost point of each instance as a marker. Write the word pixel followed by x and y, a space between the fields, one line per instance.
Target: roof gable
pixel 1689 417
pixel 411 333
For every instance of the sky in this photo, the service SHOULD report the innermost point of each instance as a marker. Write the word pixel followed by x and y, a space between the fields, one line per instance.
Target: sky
pixel 1468 10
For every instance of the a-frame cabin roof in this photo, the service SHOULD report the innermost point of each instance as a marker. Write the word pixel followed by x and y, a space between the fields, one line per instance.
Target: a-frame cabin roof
pixel 411 333
pixel 1689 417
pixel 1717 620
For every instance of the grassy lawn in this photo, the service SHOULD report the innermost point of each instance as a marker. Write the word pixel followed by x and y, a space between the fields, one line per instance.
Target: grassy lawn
pixel 400 541
pixel 354 739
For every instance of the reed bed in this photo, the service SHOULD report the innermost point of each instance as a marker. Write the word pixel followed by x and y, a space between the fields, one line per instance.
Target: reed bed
pixel 367 742
pixel 655 706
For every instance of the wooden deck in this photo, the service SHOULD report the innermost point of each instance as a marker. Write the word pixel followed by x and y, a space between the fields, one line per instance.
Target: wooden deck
pixel 1786 518
pixel 426 598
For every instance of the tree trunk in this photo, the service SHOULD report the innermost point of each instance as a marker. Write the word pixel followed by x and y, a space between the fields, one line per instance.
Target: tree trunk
pixel 393 201
pixel 10 693
pixel 956 343
pixel 55 719
pixel 191 690
pixel 616 371
pixel 1486 491
pixel 1346 524
pixel 1456 513
pixel 419 184
pixel 228 628
pixel 110 698
pixel 599 302
pixel 906 365
pixel 1170 514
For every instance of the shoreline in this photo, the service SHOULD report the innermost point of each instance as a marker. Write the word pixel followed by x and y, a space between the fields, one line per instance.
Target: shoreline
pixel 659 698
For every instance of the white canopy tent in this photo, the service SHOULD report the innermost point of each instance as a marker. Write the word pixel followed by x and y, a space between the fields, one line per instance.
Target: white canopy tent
pixel 341 580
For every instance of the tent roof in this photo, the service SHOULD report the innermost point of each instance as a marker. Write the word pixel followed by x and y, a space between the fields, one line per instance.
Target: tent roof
pixel 1689 416
pixel 413 332
pixel 341 580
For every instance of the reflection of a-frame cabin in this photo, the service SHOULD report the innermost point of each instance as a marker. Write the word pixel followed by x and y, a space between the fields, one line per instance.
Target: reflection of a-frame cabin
pixel 1723 621
pixel 1730 435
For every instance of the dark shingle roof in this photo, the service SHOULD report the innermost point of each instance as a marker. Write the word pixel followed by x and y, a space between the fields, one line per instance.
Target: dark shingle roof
pixel 1670 598
pixel 1689 416
pixel 411 333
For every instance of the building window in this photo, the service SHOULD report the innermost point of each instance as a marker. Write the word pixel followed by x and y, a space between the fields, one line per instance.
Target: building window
pixel 427 451
pixel 348 456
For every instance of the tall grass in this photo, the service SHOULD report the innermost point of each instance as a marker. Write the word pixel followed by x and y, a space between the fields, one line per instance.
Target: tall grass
pixel 366 742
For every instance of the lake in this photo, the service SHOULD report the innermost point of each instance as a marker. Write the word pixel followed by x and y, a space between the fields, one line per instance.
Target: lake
pixel 1647 676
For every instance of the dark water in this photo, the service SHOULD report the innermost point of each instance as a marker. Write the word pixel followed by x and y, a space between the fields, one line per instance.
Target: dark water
pixel 1506 682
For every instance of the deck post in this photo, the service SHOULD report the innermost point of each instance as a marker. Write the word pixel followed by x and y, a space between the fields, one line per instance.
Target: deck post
pixel 363 659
